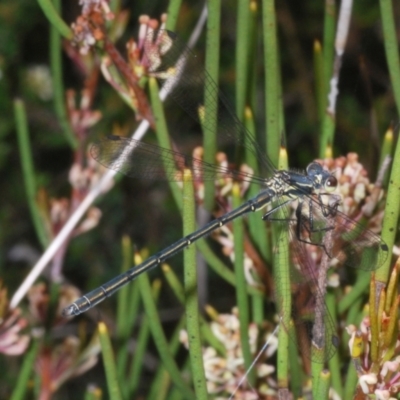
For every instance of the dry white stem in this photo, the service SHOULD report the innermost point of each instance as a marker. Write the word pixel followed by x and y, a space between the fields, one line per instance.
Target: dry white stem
pixel 340 44
pixel 343 26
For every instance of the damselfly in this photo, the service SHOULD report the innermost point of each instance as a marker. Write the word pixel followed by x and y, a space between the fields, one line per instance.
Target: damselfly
pixel 316 214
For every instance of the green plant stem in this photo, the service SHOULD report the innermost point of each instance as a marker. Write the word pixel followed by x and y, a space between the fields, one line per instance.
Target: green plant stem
pixel 191 298
pixel 174 394
pixel 391 290
pixel 271 80
pixel 334 362
pixel 173 13
pixel 362 283
pixel 110 366
pixel 282 290
pixel 354 315
pixel 250 157
pixel 127 311
pixel 123 294
pixel 28 170
pixel 328 122
pixel 26 371
pixel 386 151
pixel 387 146
pixel 242 55
pixel 257 309
pixel 161 383
pixel 328 46
pixel 179 292
pixel 115 6
pixel 374 318
pixel 391 218
pixel 53 16
pixel 159 337
pixel 257 226
pixel 58 85
pixel 141 347
pixel 174 283
pixel 241 283
pixel 391 48
pixel 296 372
pixel 253 100
pixel 212 67
pixel 323 387
pixel 162 134
pixel 320 92
pixel 316 372
pixel 350 383
pixel 327 134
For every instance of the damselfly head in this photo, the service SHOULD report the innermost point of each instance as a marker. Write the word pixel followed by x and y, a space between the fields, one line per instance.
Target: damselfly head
pixel 321 177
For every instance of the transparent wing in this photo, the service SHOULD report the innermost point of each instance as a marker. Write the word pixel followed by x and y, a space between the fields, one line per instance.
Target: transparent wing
pixel 167 58
pixel 147 161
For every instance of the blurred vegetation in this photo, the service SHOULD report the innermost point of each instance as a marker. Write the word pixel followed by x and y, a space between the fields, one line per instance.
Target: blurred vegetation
pixel 145 211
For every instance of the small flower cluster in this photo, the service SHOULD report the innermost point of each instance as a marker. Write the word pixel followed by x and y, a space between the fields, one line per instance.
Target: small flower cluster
pixel 359 196
pixel 58 361
pixel 90 25
pixel 145 55
pixel 375 345
pixel 63 361
pixel 226 374
pixel 82 178
pixel 59 210
pixel 82 117
pixel 12 341
pixel 141 56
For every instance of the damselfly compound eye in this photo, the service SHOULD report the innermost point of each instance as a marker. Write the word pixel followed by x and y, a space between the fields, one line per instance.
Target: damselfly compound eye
pixel 331 184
